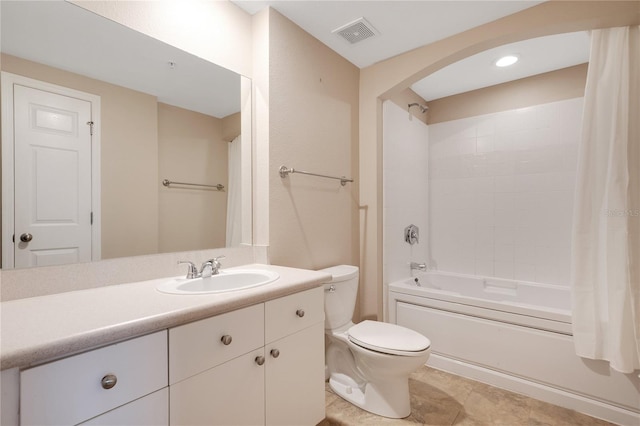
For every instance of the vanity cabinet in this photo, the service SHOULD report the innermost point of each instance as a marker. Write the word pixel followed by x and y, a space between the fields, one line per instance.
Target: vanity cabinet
pixel 263 364
pixel 294 351
pixel 78 388
pixel 270 371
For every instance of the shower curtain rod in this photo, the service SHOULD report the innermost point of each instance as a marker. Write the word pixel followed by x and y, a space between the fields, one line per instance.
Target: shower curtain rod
pixel 168 183
pixel 284 172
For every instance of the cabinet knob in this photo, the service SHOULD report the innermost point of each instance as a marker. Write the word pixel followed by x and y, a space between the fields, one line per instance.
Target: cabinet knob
pixel 275 353
pixel 300 313
pixel 259 360
pixel 226 339
pixel 109 381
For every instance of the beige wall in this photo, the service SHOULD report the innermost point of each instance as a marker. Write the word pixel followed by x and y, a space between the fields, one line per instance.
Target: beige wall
pixel 387 78
pixel 191 149
pixel 260 128
pixel 129 158
pixel 552 86
pixel 313 126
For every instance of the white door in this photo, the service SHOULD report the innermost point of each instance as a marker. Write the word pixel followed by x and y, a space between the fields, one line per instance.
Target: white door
pixel 52 169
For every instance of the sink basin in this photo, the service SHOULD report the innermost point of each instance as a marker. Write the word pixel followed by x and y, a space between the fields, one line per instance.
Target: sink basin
pixel 225 281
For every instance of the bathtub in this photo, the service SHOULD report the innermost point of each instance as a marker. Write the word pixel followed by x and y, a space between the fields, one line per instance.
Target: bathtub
pixel 511 334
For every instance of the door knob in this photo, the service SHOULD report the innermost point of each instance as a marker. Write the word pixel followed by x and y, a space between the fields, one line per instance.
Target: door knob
pixel 26 237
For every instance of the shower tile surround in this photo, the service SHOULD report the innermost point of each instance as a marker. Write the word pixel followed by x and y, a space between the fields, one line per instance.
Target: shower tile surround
pixel 405 153
pixel 499 190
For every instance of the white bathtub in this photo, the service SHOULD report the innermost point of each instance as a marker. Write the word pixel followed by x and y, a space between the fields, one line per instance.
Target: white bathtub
pixel 512 334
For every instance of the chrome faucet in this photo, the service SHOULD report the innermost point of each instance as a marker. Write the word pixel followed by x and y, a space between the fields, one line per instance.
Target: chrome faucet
pixel 419 266
pixel 208 268
pixel 211 267
pixel 192 272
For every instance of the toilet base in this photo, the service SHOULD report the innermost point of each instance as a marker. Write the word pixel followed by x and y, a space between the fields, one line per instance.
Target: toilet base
pixel 391 400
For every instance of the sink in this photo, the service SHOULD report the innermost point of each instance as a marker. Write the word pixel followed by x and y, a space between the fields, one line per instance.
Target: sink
pixel 225 281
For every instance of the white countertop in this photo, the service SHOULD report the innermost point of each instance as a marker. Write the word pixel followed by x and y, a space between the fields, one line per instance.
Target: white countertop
pixel 39 329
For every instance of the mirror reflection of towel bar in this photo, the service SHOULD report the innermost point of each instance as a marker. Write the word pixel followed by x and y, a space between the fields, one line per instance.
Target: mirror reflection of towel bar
pixel 168 183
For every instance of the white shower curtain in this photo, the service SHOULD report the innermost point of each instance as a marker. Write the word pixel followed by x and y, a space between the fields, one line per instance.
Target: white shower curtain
pixel 234 200
pixel 605 270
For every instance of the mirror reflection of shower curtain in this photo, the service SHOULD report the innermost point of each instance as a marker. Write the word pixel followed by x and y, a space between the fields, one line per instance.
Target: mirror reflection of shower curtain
pixel 234 201
pixel 605 264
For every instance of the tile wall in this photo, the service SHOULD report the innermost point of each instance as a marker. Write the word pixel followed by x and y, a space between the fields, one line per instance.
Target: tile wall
pixel 405 161
pixel 501 192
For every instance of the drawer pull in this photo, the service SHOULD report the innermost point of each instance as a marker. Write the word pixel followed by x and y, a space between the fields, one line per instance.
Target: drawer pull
pixel 259 360
pixel 275 353
pixel 109 381
pixel 226 339
pixel 300 313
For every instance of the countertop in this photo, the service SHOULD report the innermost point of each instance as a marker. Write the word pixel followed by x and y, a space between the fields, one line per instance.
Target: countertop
pixel 39 329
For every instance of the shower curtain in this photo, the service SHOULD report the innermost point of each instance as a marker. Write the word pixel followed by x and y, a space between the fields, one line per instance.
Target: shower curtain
pixel 605 269
pixel 234 200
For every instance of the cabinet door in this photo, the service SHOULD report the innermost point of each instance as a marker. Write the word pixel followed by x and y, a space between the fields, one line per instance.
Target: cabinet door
pixel 229 394
pixel 151 410
pixel 295 378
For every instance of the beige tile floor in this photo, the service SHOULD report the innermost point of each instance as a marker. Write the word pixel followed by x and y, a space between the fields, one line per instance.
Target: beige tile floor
pixel 439 398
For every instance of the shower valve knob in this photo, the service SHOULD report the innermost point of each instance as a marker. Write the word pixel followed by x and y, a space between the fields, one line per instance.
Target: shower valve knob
pixel 411 234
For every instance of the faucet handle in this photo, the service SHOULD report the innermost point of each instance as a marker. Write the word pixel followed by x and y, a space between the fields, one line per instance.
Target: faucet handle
pixel 214 264
pixel 192 271
pixel 216 261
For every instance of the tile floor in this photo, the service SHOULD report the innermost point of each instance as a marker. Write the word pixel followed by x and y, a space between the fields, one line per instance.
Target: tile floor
pixel 439 398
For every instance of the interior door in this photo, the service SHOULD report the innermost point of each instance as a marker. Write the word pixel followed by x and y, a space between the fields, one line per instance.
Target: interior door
pixel 52 178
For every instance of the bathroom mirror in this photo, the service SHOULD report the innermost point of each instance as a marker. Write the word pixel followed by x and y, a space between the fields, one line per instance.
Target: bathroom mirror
pixel 159 114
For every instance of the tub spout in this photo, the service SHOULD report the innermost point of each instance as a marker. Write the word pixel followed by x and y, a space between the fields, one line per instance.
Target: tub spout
pixel 419 266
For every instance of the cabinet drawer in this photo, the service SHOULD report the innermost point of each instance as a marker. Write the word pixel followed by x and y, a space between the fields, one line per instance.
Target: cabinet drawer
pixel 198 346
pixel 151 410
pixel 292 313
pixel 70 390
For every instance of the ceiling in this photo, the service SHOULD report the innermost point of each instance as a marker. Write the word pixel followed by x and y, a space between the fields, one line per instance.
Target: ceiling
pixel 406 25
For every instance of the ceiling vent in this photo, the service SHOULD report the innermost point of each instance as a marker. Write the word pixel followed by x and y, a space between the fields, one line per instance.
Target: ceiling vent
pixel 356 31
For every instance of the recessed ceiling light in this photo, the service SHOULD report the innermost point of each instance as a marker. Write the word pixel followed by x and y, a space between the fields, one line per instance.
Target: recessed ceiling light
pixel 505 61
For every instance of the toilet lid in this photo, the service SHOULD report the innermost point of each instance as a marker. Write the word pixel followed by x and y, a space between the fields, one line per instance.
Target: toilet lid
pixel 388 338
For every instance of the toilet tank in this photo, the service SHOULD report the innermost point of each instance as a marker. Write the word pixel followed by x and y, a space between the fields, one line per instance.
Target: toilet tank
pixel 340 295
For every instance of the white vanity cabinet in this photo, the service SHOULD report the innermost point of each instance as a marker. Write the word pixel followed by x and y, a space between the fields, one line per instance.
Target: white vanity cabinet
pixel 78 388
pixel 213 374
pixel 294 337
pixel 270 371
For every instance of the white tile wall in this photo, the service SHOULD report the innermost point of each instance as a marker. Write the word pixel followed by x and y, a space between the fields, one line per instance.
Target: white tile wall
pixel 405 188
pixel 501 192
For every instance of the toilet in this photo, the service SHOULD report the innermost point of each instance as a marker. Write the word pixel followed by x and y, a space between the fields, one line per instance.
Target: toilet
pixel 368 363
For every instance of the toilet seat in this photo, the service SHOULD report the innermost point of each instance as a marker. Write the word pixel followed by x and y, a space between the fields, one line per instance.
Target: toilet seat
pixel 388 338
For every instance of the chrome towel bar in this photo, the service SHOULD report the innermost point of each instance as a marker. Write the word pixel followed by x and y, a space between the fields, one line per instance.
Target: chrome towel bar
pixel 168 183
pixel 284 172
